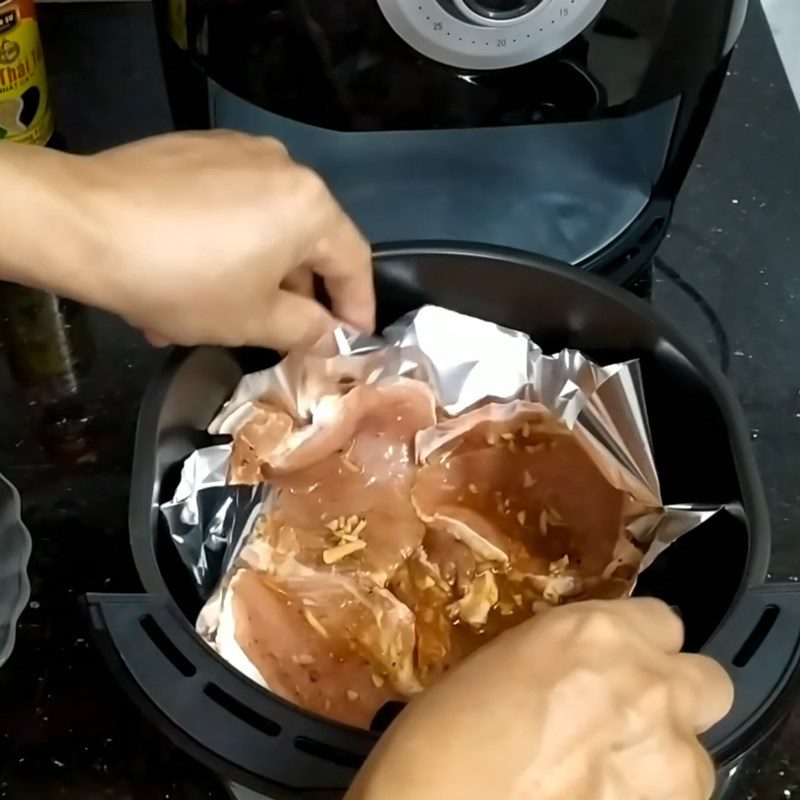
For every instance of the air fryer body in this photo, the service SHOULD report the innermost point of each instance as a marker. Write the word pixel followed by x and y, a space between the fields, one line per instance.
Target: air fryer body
pixel 560 127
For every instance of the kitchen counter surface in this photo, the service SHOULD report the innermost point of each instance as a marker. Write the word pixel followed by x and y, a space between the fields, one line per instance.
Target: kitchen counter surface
pixel 730 278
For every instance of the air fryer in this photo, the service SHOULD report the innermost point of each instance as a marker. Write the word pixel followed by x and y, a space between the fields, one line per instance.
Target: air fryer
pixel 558 127
pixel 714 576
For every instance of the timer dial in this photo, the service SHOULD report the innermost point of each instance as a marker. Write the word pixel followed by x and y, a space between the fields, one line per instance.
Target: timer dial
pixel 488 34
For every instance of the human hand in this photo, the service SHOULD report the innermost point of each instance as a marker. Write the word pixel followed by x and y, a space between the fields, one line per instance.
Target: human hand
pixel 588 702
pixel 199 238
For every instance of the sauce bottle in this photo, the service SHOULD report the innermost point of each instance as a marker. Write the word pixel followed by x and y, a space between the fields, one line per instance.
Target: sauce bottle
pixel 47 340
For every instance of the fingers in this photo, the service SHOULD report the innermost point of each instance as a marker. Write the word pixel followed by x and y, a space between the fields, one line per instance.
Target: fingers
pixel 155 339
pixel 342 257
pixel 292 321
pixel 701 687
pixel 659 766
pixel 704 687
pixel 301 282
pixel 651 619
pixel 704 770
pixel 329 245
pixel 654 621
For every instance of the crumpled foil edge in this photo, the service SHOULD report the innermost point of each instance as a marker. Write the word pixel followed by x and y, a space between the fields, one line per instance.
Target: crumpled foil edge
pixel 467 362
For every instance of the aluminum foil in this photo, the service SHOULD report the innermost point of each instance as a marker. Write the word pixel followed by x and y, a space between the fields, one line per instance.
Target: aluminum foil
pixel 467 362
pixel 208 519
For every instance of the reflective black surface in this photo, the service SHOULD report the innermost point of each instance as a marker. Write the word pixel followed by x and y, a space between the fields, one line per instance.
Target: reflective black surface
pixel 339 65
pixel 502 9
pixel 67 730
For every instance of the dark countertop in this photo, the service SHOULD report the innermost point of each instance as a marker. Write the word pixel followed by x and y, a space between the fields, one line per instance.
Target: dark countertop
pixel 66 728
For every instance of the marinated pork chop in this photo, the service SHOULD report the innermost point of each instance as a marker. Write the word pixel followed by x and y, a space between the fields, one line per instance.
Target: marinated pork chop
pixel 343 500
pixel 324 645
pixel 481 569
pixel 392 546
pixel 374 423
pixel 521 484
pixel 310 608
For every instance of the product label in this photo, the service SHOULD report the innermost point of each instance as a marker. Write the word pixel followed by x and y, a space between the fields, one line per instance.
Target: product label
pixel 26 114
pixel 176 9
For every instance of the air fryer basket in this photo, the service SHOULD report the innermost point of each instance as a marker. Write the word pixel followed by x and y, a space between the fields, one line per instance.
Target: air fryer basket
pixel 714 575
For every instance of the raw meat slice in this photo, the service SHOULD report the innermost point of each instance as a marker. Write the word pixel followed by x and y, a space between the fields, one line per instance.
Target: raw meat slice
pixel 392 547
pixel 522 484
pixel 268 430
pixel 325 644
pixel 384 414
pixel 343 500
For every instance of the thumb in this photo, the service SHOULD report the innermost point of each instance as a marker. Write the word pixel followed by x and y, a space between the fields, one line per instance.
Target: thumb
pixel 155 339
pixel 292 321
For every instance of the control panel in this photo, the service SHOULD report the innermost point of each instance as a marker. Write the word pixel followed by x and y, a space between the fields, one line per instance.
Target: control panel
pixel 488 34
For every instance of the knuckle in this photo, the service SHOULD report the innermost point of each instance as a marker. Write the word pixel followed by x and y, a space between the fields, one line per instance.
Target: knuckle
pixel 655 698
pixel 226 135
pixel 273 145
pixel 309 183
pixel 598 626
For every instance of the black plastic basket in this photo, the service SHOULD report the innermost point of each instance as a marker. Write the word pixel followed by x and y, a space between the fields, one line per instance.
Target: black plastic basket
pixel 714 576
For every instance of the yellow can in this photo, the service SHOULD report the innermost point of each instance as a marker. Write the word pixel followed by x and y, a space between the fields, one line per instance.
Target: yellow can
pixel 26 112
